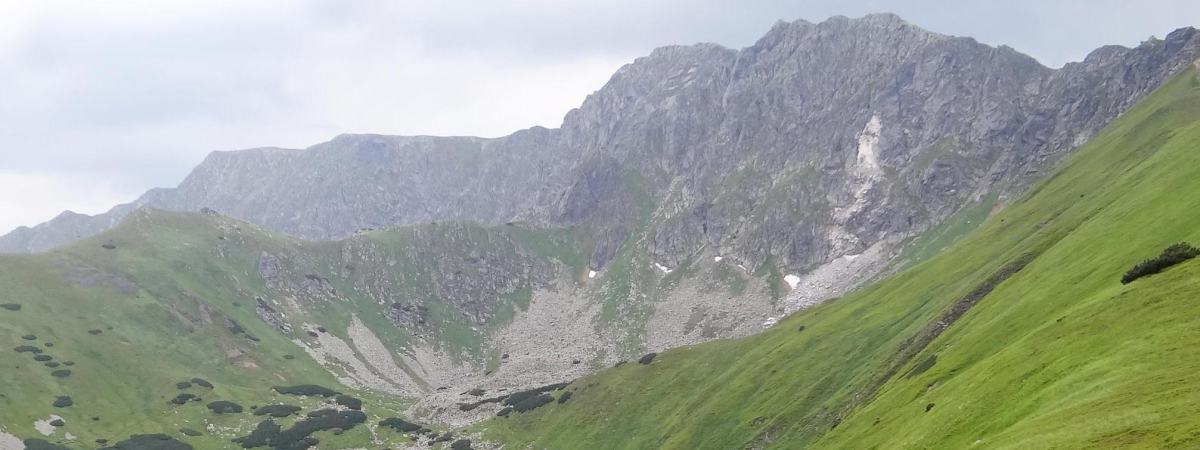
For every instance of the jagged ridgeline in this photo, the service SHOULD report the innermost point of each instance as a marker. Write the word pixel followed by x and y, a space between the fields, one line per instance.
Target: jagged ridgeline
pixel 1021 335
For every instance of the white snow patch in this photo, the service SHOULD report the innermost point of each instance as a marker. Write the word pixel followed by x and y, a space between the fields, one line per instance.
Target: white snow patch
pixel 718 258
pixel 850 257
pixel 791 280
pixel 10 442
pixel 663 268
pixel 69 436
pixel 743 268
pixel 770 321
pixel 43 426
pixel 591 274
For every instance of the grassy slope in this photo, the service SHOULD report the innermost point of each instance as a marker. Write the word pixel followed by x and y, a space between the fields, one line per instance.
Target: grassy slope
pixel 1059 356
pixel 180 264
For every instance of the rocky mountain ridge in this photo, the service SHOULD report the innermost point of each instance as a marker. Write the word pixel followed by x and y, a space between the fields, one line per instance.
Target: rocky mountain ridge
pixel 819 141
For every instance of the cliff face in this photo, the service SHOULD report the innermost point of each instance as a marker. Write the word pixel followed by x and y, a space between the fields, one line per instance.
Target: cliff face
pixel 820 140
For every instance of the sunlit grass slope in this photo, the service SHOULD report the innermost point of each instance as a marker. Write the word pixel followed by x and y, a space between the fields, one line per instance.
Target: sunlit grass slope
pixel 1058 355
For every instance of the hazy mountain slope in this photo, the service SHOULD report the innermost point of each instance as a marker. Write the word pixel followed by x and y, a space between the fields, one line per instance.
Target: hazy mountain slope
pixel 1054 353
pixel 820 140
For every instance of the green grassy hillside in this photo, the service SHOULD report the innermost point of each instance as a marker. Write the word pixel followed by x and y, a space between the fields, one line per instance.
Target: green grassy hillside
pixel 1018 336
pixel 167 297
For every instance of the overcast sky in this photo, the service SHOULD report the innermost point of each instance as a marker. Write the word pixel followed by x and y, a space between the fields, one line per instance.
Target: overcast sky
pixel 100 101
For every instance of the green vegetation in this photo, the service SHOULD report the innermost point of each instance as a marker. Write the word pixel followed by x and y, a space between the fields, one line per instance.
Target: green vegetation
pixel 1173 255
pixel 1057 354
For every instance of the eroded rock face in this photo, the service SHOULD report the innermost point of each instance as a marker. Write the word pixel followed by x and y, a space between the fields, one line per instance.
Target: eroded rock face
pixel 754 152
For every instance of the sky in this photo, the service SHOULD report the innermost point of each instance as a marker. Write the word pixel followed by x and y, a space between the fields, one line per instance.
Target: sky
pixel 100 101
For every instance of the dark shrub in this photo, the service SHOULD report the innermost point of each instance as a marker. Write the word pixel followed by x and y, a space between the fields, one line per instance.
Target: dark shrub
pixel 109 246
pixel 289 357
pixel 349 402
pixel 322 329
pixel 253 338
pixel 1173 255
pixel 27 349
pixel 57 422
pixel 322 413
pixel 96 419
pixel 51 364
pixel 504 412
pixel 183 385
pixel 313 333
pixel 928 407
pixel 518 397
pixel 277 410
pixel 533 403
pixel 48 344
pixel 182 399
pixel 234 327
pixel 564 397
pixel 42 444
pixel 618 364
pixel 399 425
pixel 461 444
pixel 298 436
pixel 42 358
pixel 261 435
pixel 150 442
pixel 60 373
pixel 576 361
pixel 802 328
pixel 29 337
pixel 68 363
pixel 190 432
pixel 445 437
pixel 11 306
pixel 647 359
pixel 101 441
pixel 306 390
pixel 202 383
pixel 95 331
pixel 925 365
pixel 63 401
pixel 224 407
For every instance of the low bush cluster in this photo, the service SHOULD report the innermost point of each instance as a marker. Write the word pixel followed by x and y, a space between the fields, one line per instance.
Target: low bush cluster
pixel 95 331
pixel 400 425
pixel 27 349
pixel 42 358
pixel 299 436
pixel 533 403
pixel 514 398
pixel 51 364
pixel 461 444
pixel 57 422
pixel 42 444
pixel 307 390
pixel 63 401
pixel 1173 255
pixel 190 432
pixel 564 397
pixel 183 385
pixel 182 399
pixel 225 407
pixel 150 442
pixel 11 306
pixel 349 402
pixel 647 359
pixel 202 383
pixel 60 373
pixel 277 410
pixel 29 337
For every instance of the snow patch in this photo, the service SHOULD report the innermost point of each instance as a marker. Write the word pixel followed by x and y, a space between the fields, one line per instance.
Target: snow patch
pixel 791 280
pixel 743 268
pixel 591 274
pixel 836 278
pixel 718 258
pixel 770 322
pixel 68 436
pixel 850 257
pixel 43 426
pixel 663 268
